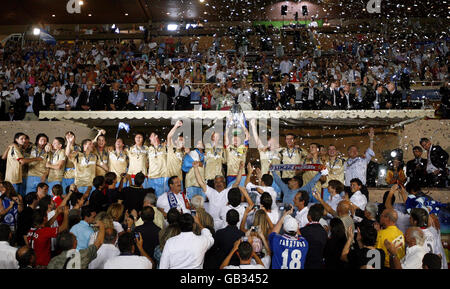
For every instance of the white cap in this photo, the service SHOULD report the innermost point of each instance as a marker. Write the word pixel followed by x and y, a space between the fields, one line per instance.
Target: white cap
pixel 290 224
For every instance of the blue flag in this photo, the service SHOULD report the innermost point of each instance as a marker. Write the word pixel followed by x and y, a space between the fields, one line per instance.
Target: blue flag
pixel 124 126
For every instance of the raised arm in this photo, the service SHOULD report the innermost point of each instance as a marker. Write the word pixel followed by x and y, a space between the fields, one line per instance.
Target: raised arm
pixel 327 207
pixel 244 219
pixel 140 246
pixel 70 141
pixel 371 136
pixel 171 133
pixel 230 255
pixel 100 132
pixel 255 133
pixel 280 222
pixel 199 178
pixel 277 179
pixel 388 202
pixel 346 249
pixel 239 176
pixel 246 196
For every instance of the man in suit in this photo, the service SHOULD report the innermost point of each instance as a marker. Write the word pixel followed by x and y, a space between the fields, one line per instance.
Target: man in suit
pixel 91 99
pixel 436 163
pixel 72 85
pixel 348 100
pixel 376 99
pixel 182 99
pixel 115 98
pixel 330 96
pixel 393 97
pixel 360 92
pixel 157 100
pixel 416 169
pixel 12 115
pixel 169 91
pixel 287 89
pixel 41 100
pixel 310 96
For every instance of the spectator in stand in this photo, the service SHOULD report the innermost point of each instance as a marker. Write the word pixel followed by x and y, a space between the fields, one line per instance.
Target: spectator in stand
pixel 149 231
pixel 391 233
pixel 416 169
pixel 83 230
pixel 415 251
pixel 245 252
pixel 335 244
pixel 436 163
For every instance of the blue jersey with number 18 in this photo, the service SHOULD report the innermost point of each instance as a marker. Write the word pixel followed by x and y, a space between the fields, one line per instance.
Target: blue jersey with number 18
pixel 288 252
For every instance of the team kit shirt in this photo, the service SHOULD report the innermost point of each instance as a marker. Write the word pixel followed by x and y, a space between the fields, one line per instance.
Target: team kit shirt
pixel 157 162
pixel 267 158
pixel 69 172
pixel 55 175
pixel 335 170
pixel 234 155
pixel 40 242
pixel 85 168
pixel 190 179
pixel 214 158
pixel 118 162
pixel 288 252
pixel 309 175
pixel 174 162
pixel 292 156
pixel 103 158
pixel 37 168
pixel 137 160
pixel 13 168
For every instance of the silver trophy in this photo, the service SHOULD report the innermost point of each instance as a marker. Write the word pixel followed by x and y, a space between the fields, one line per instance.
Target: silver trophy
pixel 236 119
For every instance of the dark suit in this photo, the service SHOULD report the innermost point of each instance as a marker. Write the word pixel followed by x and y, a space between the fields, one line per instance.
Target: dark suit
pixel 416 170
pixel 310 104
pixel 331 95
pixel 93 99
pixel 149 232
pixel 118 98
pixel 439 159
pixel 170 94
pixel 73 89
pixel 288 92
pixel 223 243
pixel 156 101
pixel 41 101
pixel 394 98
pixel 3 111
pixel 347 99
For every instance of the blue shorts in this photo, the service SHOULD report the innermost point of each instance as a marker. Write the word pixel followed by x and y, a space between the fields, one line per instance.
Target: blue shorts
pixel 192 191
pixel 19 189
pixel 231 179
pixel 160 185
pixel 66 183
pixel 32 182
pixel 84 189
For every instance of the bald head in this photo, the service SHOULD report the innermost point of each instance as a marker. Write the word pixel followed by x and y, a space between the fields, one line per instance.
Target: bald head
pixel 343 208
pixel 25 256
pixel 388 217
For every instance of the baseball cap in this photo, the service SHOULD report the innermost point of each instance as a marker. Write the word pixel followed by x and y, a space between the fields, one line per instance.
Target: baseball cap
pixel 290 224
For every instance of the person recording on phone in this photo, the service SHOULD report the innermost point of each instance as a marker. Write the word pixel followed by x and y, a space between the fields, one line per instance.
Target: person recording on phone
pixel 245 252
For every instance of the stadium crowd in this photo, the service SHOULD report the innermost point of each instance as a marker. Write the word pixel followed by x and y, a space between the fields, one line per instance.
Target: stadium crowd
pixel 66 204
pixel 361 73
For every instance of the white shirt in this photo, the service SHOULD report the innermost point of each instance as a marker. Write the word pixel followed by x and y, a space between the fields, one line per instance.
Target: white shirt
pixel 252 188
pixel 302 217
pixel 8 256
pixel 430 167
pixel 163 202
pixel 413 257
pixel 359 200
pixel 217 200
pixel 186 250
pixel 402 221
pixel 285 66
pixel 357 168
pixel 334 201
pixel 210 70
pixel 128 262
pixel 223 215
pixel 104 253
